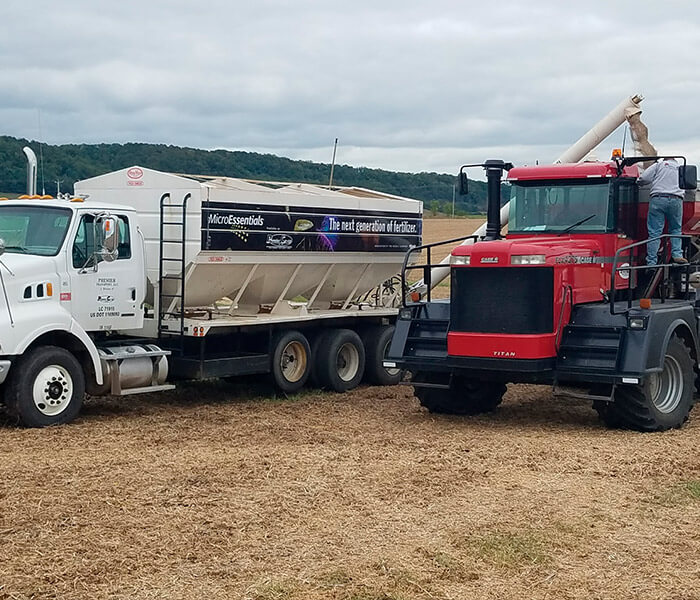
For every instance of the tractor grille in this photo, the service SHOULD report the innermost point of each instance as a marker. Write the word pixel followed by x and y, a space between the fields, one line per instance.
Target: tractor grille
pixel 502 299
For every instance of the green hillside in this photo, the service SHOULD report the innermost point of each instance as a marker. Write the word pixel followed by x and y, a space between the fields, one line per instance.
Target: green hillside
pixel 72 162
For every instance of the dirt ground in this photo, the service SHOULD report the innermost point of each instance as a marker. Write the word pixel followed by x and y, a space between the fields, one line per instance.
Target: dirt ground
pixel 223 491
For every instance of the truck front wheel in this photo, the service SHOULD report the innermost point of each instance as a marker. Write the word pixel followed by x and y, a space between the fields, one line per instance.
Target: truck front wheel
pixel 464 396
pixel 662 402
pixel 46 387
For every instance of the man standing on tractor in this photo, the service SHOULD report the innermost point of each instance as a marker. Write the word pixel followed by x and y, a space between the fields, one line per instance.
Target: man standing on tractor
pixel 665 203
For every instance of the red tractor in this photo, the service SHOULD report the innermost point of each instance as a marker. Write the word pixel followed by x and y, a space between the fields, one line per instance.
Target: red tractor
pixel 564 299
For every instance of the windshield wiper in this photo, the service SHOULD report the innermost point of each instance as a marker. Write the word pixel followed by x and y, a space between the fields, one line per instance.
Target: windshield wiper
pixel 575 225
pixel 22 249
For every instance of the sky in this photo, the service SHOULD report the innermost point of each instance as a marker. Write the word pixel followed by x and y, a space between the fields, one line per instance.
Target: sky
pixel 405 86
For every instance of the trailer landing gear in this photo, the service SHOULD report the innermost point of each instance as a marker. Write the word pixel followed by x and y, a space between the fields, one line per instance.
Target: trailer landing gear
pixel 458 395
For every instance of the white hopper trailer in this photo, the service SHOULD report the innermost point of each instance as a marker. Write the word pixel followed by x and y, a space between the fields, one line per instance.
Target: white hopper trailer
pixel 145 276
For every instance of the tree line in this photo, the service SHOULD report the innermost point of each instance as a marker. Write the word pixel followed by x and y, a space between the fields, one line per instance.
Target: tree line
pixel 63 165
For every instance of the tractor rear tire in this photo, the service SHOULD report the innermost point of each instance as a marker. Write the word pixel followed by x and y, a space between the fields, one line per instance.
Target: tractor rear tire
pixel 464 397
pixel 663 401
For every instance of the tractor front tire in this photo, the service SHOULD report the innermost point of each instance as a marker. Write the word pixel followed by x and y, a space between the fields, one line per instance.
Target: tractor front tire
pixel 663 401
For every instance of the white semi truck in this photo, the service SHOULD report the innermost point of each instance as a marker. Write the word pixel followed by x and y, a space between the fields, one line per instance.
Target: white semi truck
pixel 143 277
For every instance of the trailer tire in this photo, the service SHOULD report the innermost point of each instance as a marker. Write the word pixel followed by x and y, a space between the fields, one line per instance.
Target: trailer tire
pixel 46 387
pixel 464 397
pixel 291 361
pixel 377 341
pixel 317 342
pixel 663 401
pixel 340 360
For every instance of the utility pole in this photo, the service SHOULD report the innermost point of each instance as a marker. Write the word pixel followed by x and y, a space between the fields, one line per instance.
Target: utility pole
pixel 454 194
pixel 330 181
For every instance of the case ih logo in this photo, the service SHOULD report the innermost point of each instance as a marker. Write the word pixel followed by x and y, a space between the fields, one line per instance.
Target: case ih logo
pixel 134 173
pixel 489 259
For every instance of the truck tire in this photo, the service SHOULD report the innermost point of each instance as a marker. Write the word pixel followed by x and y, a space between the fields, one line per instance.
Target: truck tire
pixel 464 397
pixel 46 387
pixel 291 362
pixel 377 341
pixel 663 401
pixel 317 343
pixel 340 360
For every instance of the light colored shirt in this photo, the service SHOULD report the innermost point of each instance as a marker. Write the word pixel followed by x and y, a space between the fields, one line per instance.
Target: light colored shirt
pixel 663 178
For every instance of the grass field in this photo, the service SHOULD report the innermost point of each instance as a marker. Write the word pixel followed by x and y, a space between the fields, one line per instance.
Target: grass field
pixel 222 491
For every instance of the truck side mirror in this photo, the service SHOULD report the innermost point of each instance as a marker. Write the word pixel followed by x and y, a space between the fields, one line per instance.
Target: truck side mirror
pixel 107 230
pixel 688 177
pixel 463 183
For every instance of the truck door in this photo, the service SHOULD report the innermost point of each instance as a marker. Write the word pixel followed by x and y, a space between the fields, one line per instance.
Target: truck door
pixel 105 295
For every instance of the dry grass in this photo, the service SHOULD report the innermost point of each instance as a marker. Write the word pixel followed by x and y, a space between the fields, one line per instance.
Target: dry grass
pixel 214 492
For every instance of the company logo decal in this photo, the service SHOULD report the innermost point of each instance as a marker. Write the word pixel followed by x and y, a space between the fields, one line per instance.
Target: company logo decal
pixel 489 259
pixel 134 173
pixel 279 241
pixel 574 259
pixel 504 353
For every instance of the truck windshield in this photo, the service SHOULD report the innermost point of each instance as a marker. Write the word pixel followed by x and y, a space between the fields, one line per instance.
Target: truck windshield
pixel 560 206
pixel 38 230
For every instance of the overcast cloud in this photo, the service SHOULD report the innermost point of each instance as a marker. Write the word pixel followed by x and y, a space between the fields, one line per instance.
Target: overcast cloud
pixel 411 88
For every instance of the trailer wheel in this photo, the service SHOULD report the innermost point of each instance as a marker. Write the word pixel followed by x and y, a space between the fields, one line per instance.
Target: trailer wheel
pixel 290 361
pixel 377 341
pixel 464 396
pixel 340 360
pixel 662 402
pixel 46 387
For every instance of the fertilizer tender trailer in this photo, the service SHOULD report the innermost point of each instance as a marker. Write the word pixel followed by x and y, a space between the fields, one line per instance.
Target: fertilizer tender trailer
pixel 565 299
pixel 146 277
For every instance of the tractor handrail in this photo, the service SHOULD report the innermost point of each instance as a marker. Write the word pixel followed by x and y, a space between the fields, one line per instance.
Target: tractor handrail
pixel 428 266
pixel 629 268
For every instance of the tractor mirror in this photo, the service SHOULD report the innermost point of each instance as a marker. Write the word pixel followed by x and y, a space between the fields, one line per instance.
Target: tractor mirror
pixel 108 232
pixel 463 183
pixel 688 177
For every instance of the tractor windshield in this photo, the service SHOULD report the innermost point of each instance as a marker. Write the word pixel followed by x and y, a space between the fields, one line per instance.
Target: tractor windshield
pixel 560 206
pixel 36 230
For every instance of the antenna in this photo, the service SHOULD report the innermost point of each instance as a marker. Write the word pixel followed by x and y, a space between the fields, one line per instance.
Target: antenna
pixel 330 181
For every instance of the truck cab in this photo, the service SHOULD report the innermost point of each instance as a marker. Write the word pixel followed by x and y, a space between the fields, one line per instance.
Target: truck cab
pixel 71 271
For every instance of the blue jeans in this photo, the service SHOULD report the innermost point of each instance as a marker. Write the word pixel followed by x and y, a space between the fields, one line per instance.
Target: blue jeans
pixel 660 209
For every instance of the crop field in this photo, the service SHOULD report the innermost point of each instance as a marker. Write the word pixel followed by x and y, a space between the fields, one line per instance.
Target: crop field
pixel 220 491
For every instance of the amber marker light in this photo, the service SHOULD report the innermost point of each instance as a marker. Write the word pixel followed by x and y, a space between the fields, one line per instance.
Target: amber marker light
pixel 415 296
pixel 49 289
pixel 617 153
pixel 645 303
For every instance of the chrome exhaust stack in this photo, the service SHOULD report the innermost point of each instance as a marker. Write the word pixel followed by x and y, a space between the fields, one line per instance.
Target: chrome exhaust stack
pixel 31 170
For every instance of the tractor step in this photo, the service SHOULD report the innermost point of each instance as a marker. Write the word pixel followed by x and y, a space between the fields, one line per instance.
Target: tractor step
pixel 588 348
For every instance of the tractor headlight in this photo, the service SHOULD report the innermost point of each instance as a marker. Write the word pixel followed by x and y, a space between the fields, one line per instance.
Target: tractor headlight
pixel 461 260
pixel 527 259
